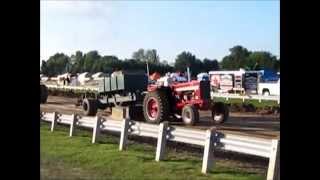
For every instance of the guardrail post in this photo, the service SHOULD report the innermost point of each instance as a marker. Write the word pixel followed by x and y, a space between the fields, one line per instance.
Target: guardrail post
pixel 96 129
pixel 73 124
pixel 242 99
pixel 207 161
pixel 259 99
pixel 162 140
pixel 278 100
pixel 274 161
pixel 124 134
pixel 54 121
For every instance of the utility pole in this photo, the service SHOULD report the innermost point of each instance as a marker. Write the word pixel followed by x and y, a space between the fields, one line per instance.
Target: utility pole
pixel 188 72
pixel 147 67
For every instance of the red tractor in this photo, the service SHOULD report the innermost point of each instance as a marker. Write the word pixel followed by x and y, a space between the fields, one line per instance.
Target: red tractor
pixel 182 101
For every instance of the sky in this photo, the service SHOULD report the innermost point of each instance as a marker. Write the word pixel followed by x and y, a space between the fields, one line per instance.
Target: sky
pixel 208 29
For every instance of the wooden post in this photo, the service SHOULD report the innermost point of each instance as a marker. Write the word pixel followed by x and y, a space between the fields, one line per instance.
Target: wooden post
pixel 73 124
pixel 162 139
pixel 274 161
pixel 124 134
pixel 207 161
pixel 96 129
pixel 54 121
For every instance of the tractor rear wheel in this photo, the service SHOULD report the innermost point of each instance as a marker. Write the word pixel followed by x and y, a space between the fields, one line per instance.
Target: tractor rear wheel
pixel 190 115
pixel 43 94
pixel 89 107
pixel 156 107
pixel 220 113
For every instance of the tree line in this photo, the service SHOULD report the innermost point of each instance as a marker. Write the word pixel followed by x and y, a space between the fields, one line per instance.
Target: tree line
pixel 92 62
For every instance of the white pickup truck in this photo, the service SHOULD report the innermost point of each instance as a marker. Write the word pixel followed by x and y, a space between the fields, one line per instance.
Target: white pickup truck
pixel 269 88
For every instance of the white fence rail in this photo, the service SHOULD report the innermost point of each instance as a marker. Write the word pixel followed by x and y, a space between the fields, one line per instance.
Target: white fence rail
pixel 76 88
pixel 209 139
pixel 228 96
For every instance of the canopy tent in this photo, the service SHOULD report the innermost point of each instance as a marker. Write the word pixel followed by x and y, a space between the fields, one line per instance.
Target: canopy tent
pixel 65 75
pixel 98 75
pixel 84 77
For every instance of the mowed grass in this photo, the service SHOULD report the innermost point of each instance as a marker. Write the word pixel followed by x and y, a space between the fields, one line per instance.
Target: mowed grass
pixel 255 103
pixel 64 157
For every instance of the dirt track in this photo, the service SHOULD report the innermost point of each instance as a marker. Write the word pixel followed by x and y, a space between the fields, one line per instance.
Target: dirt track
pixel 266 126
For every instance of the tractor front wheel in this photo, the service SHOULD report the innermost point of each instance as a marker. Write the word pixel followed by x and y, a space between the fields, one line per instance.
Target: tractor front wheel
pixel 220 113
pixel 156 107
pixel 89 107
pixel 190 115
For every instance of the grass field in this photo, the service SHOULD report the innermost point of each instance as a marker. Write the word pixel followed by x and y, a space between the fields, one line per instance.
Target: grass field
pixel 254 102
pixel 64 157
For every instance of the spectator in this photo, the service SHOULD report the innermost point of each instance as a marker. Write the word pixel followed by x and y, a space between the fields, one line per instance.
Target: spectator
pixel 68 80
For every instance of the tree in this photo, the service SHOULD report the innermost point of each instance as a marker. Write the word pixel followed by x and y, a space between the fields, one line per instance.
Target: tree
pixel 186 59
pixel 57 64
pixel 149 55
pixel 77 62
pixel 197 67
pixel 110 63
pixel 139 55
pixel 97 66
pixel 276 65
pixel 240 57
pixel 44 67
pixel 262 59
pixel 90 59
pixel 165 62
pixel 92 62
pixel 236 59
pixel 210 65
pixel 152 57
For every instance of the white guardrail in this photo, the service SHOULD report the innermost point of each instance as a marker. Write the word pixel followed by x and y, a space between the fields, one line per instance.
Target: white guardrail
pixel 209 139
pixel 228 96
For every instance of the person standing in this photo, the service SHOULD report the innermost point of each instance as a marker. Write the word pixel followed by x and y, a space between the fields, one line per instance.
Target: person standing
pixel 68 80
